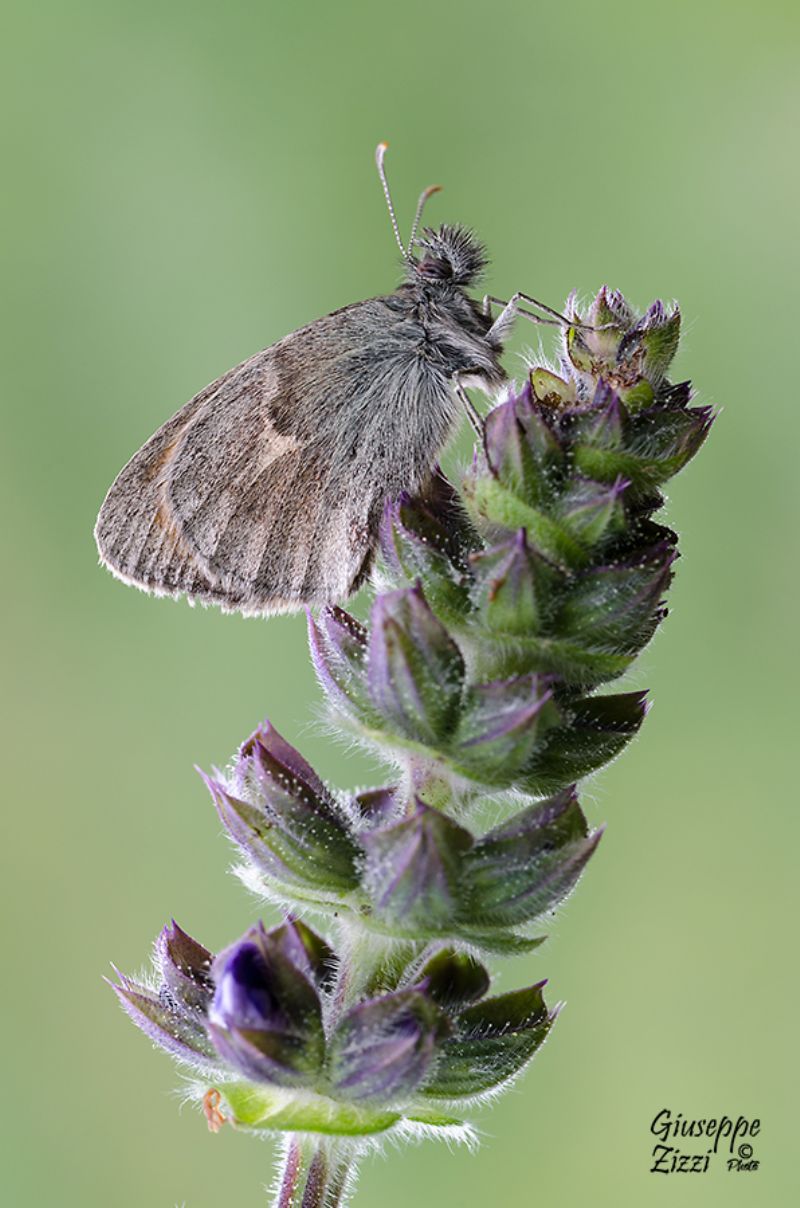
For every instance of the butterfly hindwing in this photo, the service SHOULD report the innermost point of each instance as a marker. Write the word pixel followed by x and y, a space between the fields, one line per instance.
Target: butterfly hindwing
pixel 262 489
pixel 240 498
pixel 136 534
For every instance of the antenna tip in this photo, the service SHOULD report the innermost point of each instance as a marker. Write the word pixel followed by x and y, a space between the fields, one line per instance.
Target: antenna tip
pixel 380 151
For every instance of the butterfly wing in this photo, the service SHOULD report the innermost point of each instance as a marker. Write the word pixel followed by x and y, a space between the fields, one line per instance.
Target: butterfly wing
pixel 264 492
pixel 137 535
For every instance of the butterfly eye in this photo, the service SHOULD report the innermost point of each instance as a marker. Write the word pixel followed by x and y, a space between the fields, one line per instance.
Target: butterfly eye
pixel 435 269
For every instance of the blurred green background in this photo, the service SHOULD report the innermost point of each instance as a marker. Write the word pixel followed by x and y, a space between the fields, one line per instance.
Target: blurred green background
pixel 184 184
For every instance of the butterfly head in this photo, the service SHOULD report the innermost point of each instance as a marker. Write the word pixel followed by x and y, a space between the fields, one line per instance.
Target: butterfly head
pixel 449 255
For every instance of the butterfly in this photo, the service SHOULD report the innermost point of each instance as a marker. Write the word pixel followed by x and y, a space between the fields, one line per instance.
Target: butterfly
pixel 265 492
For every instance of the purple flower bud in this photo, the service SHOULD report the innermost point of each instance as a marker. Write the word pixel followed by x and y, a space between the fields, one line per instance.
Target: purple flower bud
pixel 510 581
pixel 435 518
pixel 609 306
pixel 492 1041
pixel 412 872
pixel 284 818
pixel 616 607
pixel 242 998
pixel 526 866
pixel 664 439
pixel 650 345
pixel 501 725
pixel 306 950
pixel 416 671
pixel 185 968
pixel 167 1021
pixel 595 729
pixel 383 1049
pixel 593 349
pixel 504 445
pixel 338 645
pixel 644 442
pixel 266 1019
pixel 541 430
pixel 417 543
pixel 521 447
pixel 608 418
pixel 591 511
pixel 275 760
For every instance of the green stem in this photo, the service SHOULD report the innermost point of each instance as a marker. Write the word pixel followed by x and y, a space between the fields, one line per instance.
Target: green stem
pixel 316 1173
pixel 362 953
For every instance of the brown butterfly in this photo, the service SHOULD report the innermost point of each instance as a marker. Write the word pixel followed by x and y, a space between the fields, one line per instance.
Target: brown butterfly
pixel 264 493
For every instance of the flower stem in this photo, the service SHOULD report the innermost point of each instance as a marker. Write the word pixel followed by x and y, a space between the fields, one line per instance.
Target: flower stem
pixel 315 1173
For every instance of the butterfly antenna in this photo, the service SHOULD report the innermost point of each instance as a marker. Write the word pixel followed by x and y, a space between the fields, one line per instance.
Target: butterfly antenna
pixel 380 152
pixel 423 197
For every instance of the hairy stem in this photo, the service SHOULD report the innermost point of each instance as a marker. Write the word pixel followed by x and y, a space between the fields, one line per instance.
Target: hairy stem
pixel 315 1173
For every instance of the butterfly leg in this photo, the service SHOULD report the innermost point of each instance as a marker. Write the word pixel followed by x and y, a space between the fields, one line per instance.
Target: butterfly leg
pixel 473 415
pixel 512 308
